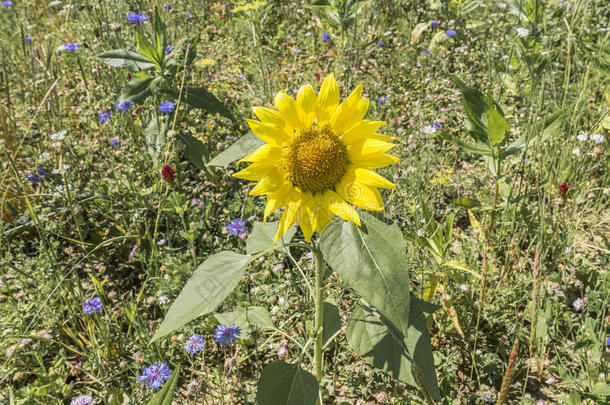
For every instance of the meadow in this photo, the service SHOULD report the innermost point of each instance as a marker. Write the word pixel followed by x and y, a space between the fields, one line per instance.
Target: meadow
pixel 305 202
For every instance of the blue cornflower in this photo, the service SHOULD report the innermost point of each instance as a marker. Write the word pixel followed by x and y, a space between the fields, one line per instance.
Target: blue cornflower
pixel 27 39
pixel 136 18
pixel 451 33
pixel 326 37
pixel 155 375
pixel 36 177
pixel 225 335
pixel 436 125
pixel 434 23
pixel 608 341
pixel 380 43
pixel 169 48
pixel 425 52
pixel 194 344
pixel 82 400
pixel 6 4
pixel 104 116
pixel 488 396
pixel 71 46
pixel 167 106
pixel 167 6
pixel 115 141
pixel 124 106
pixel 236 227
pixel 95 305
pixel 381 99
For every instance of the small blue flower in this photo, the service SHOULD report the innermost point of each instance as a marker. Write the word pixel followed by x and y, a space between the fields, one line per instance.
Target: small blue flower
pixel 425 52
pixel 434 23
pixel 32 177
pixel 105 116
pixel 488 396
pixel 167 106
pixel 115 141
pixel 6 4
pixel 236 227
pixel 169 48
pixel 225 335
pixel 136 18
pixel 381 99
pixel 436 125
pixel 326 37
pixel 82 400
pixel 194 344
pixel 380 43
pixel 608 341
pixel 41 172
pixel 124 106
pixel 451 33
pixel 71 46
pixel 27 39
pixel 155 375
pixel 95 305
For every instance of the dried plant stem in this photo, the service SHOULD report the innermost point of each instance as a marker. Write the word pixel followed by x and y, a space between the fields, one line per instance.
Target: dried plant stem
pixel 535 298
pixel 508 375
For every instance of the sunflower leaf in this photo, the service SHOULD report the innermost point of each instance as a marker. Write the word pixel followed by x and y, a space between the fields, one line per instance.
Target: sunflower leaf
pixel 238 150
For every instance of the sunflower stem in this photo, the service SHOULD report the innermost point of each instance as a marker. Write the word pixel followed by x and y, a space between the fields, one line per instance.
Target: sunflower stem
pixel 319 314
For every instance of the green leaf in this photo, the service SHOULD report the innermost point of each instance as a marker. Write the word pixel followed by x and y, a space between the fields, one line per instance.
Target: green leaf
pixel 246 318
pixel 372 260
pixel 160 37
pixel 165 395
pixel 209 285
pixel 332 321
pixel 199 97
pixel 123 58
pixel 377 341
pixel 550 127
pixel 138 89
pixel 156 134
pixel 286 384
pixel 479 149
pixel 196 153
pixel 262 235
pixel 147 49
pixel 238 150
pixel 454 264
pixel 497 127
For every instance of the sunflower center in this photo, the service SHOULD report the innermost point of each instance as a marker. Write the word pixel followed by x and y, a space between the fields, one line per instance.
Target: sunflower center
pixel 316 160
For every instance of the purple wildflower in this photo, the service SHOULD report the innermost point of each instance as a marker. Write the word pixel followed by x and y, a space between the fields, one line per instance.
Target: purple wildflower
pixel 434 23
pixel 488 396
pixel 578 304
pixel 155 375
pixel 167 6
pixel 236 227
pixel 105 116
pixel 451 33
pixel 82 400
pixel 27 39
pixel 71 46
pixel 95 305
pixel 6 4
pixel 136 18
pixel 124 106
pixel 282 351
pixel 380 43
pixel 167 106
pixel 225 335
pixel 194 344
pixel 115 141
pixel 169 48
pixel 608 341
pixel 132 254
pixel 326 37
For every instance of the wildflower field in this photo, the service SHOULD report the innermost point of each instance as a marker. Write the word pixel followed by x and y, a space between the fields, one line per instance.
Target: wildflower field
pixel 305 202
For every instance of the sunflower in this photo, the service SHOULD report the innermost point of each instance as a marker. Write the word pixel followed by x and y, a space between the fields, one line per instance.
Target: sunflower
pixel 317 158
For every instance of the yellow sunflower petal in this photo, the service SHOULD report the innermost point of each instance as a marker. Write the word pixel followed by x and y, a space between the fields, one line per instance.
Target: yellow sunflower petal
pixel 269 133
pixel 305 215
pixel 328 99
pixel 264 153
pixel 351 110
pixel 267 184
pixel 254 172
pixel 374 161
pixel 276 199
pixel 269 116
pixel 364 130
pixel 288 109
pixel 340 208
pixel 306 104
pixel 289 217
pixel 321 213
pixel 371 178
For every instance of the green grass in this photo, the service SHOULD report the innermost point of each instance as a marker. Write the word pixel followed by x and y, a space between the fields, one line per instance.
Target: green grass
pixel 69 238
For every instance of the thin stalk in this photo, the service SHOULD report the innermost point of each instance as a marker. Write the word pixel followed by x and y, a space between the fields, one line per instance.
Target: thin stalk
pixel 319 314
